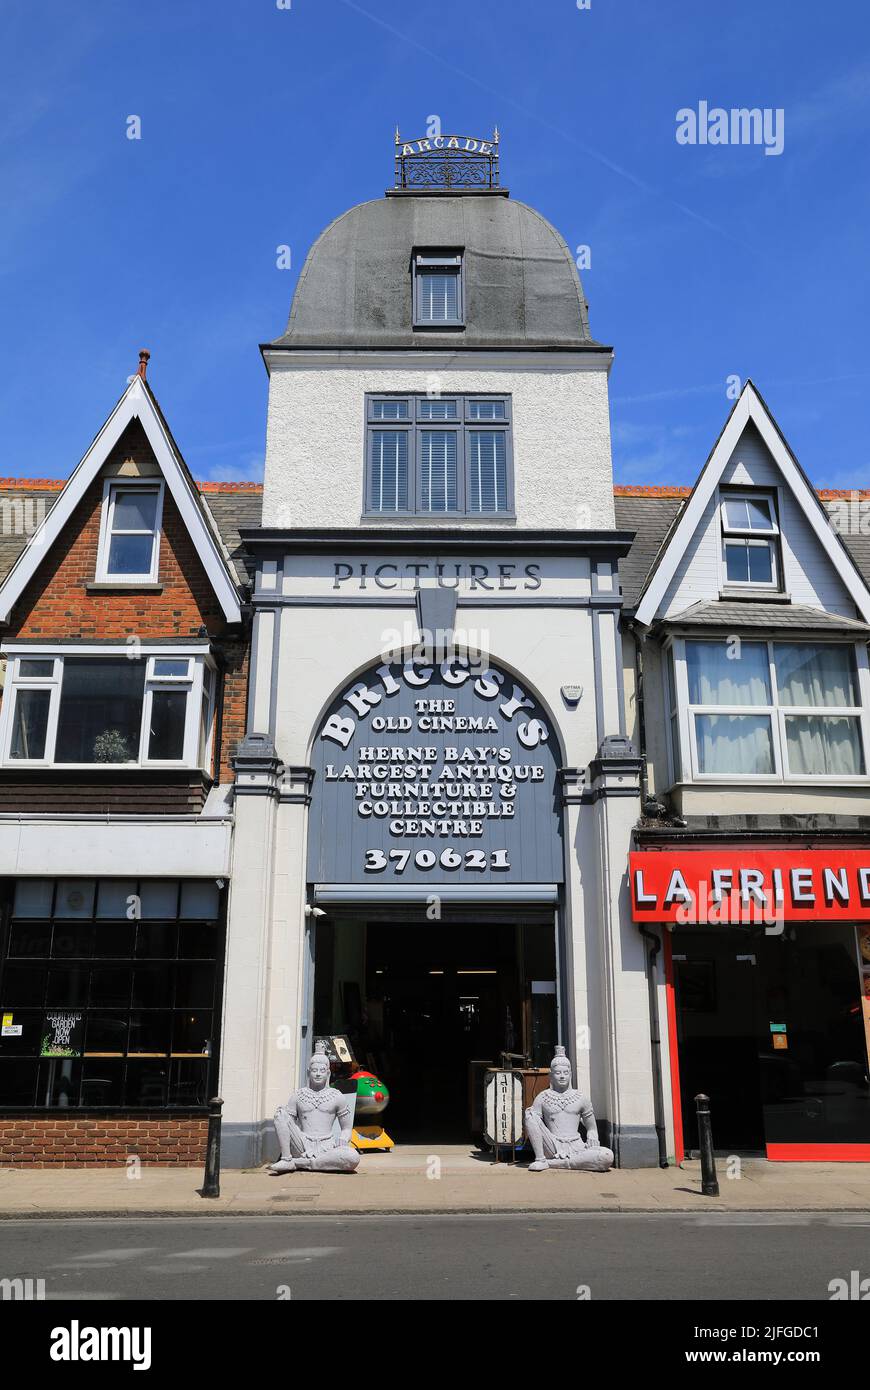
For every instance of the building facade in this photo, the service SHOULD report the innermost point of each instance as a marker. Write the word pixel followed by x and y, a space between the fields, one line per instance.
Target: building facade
pixel 746 628
pixel 125 646
pixel 437 742
pixel 433 803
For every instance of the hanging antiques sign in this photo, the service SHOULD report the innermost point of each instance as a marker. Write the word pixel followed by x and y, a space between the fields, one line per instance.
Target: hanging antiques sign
pixel 439 772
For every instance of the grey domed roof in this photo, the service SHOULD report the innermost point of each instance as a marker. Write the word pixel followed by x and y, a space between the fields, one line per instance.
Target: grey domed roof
pixel 521 284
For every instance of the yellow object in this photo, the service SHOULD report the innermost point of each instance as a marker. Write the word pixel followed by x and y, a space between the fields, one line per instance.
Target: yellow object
pixel 371 1138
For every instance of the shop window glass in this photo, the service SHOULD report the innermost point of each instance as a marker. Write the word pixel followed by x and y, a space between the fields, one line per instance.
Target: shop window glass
pixel 194 983
pixel 110 986
pixel 23 985
pixel 150 1031
pixel 159 898
pixel 196 940
pixel 125 983
pixel 114 938
pixel 33 897
pixel 156 939
pixel 188 1081
pixel 152 987
pixel 59 1081
pixel 67 987
pixel 199 898
pixel 74 898
pixel 102 1081
pixel 30 939
pixel 18 1081
pixel 73 939
pixel 130 993
pixel 113 897
pixel 191 1031
pixel 147 1081
pixel 107 1031
pixel 26 1043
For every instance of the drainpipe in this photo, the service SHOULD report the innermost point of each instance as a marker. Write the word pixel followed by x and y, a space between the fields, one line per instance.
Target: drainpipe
pixel 655 1036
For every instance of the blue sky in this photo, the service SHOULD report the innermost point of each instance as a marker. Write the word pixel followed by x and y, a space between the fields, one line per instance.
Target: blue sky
pixel 260 124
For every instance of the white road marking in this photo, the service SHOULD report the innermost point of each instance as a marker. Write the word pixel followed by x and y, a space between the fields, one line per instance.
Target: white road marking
pixel 212 1252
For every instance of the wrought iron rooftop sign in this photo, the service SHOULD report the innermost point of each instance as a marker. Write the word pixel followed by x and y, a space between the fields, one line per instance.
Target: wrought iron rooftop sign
pixel 447 162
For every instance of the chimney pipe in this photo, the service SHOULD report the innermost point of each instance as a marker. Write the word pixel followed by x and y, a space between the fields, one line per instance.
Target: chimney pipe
pixel 144 355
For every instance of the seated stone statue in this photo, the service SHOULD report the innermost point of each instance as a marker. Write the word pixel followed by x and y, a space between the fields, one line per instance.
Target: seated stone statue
pixel 304 1126
pixel 553 1123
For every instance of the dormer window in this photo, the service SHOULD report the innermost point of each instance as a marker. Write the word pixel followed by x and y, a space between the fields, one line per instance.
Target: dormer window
pixel 438 290
pixel 750 540
pixel 129 550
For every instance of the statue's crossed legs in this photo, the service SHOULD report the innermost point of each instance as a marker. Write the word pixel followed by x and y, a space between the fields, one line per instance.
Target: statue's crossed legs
pixel 573 1154
pixel 318 1154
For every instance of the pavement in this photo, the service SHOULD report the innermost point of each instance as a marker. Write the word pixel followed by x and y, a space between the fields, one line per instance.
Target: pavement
pixel 442 1179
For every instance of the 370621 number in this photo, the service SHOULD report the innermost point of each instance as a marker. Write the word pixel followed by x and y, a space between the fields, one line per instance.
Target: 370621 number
pixel 377 860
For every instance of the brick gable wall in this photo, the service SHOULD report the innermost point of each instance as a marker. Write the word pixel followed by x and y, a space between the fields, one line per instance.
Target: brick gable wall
pixel 57 603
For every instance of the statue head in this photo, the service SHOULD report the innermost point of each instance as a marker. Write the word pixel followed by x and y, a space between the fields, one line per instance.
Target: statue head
pixel 318 1068
pixel 560 1071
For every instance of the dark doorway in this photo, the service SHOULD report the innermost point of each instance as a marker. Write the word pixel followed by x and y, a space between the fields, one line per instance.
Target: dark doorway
pixel 427 1006
pixel 716 987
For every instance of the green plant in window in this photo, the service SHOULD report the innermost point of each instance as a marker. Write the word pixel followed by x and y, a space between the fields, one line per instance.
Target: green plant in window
pixel 111 746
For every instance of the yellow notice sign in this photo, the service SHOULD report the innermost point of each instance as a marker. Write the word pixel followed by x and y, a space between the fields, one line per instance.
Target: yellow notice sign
pixel 7 1019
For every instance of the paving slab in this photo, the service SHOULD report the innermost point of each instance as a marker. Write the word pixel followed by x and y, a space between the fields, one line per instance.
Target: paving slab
pixel 419 1179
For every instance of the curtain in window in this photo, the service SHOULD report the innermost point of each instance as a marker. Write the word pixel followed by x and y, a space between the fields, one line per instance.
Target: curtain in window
pixel 438 472
pixel 821 745
pixel 487 471
pixel 389 471
pixel 734 743
pixel 808 675
pixel 722 673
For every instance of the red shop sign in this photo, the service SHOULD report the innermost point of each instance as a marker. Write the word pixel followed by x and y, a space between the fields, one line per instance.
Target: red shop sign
pixel 764 886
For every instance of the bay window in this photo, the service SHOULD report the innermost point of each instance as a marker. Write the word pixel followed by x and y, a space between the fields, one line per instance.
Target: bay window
pixel 108 708
pixel 774 710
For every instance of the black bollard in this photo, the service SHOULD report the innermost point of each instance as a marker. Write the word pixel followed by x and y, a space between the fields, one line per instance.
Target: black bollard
pixel 211 1186
pixel 709 1181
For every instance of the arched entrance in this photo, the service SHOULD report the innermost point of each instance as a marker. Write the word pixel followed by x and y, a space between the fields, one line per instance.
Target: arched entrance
pixel 435 857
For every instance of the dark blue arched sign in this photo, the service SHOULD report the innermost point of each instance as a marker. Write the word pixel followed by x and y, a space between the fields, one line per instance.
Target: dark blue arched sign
pixel 435 774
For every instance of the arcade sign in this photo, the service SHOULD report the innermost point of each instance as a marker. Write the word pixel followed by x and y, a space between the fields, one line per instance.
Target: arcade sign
pixel 428 773
pixel 743 886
